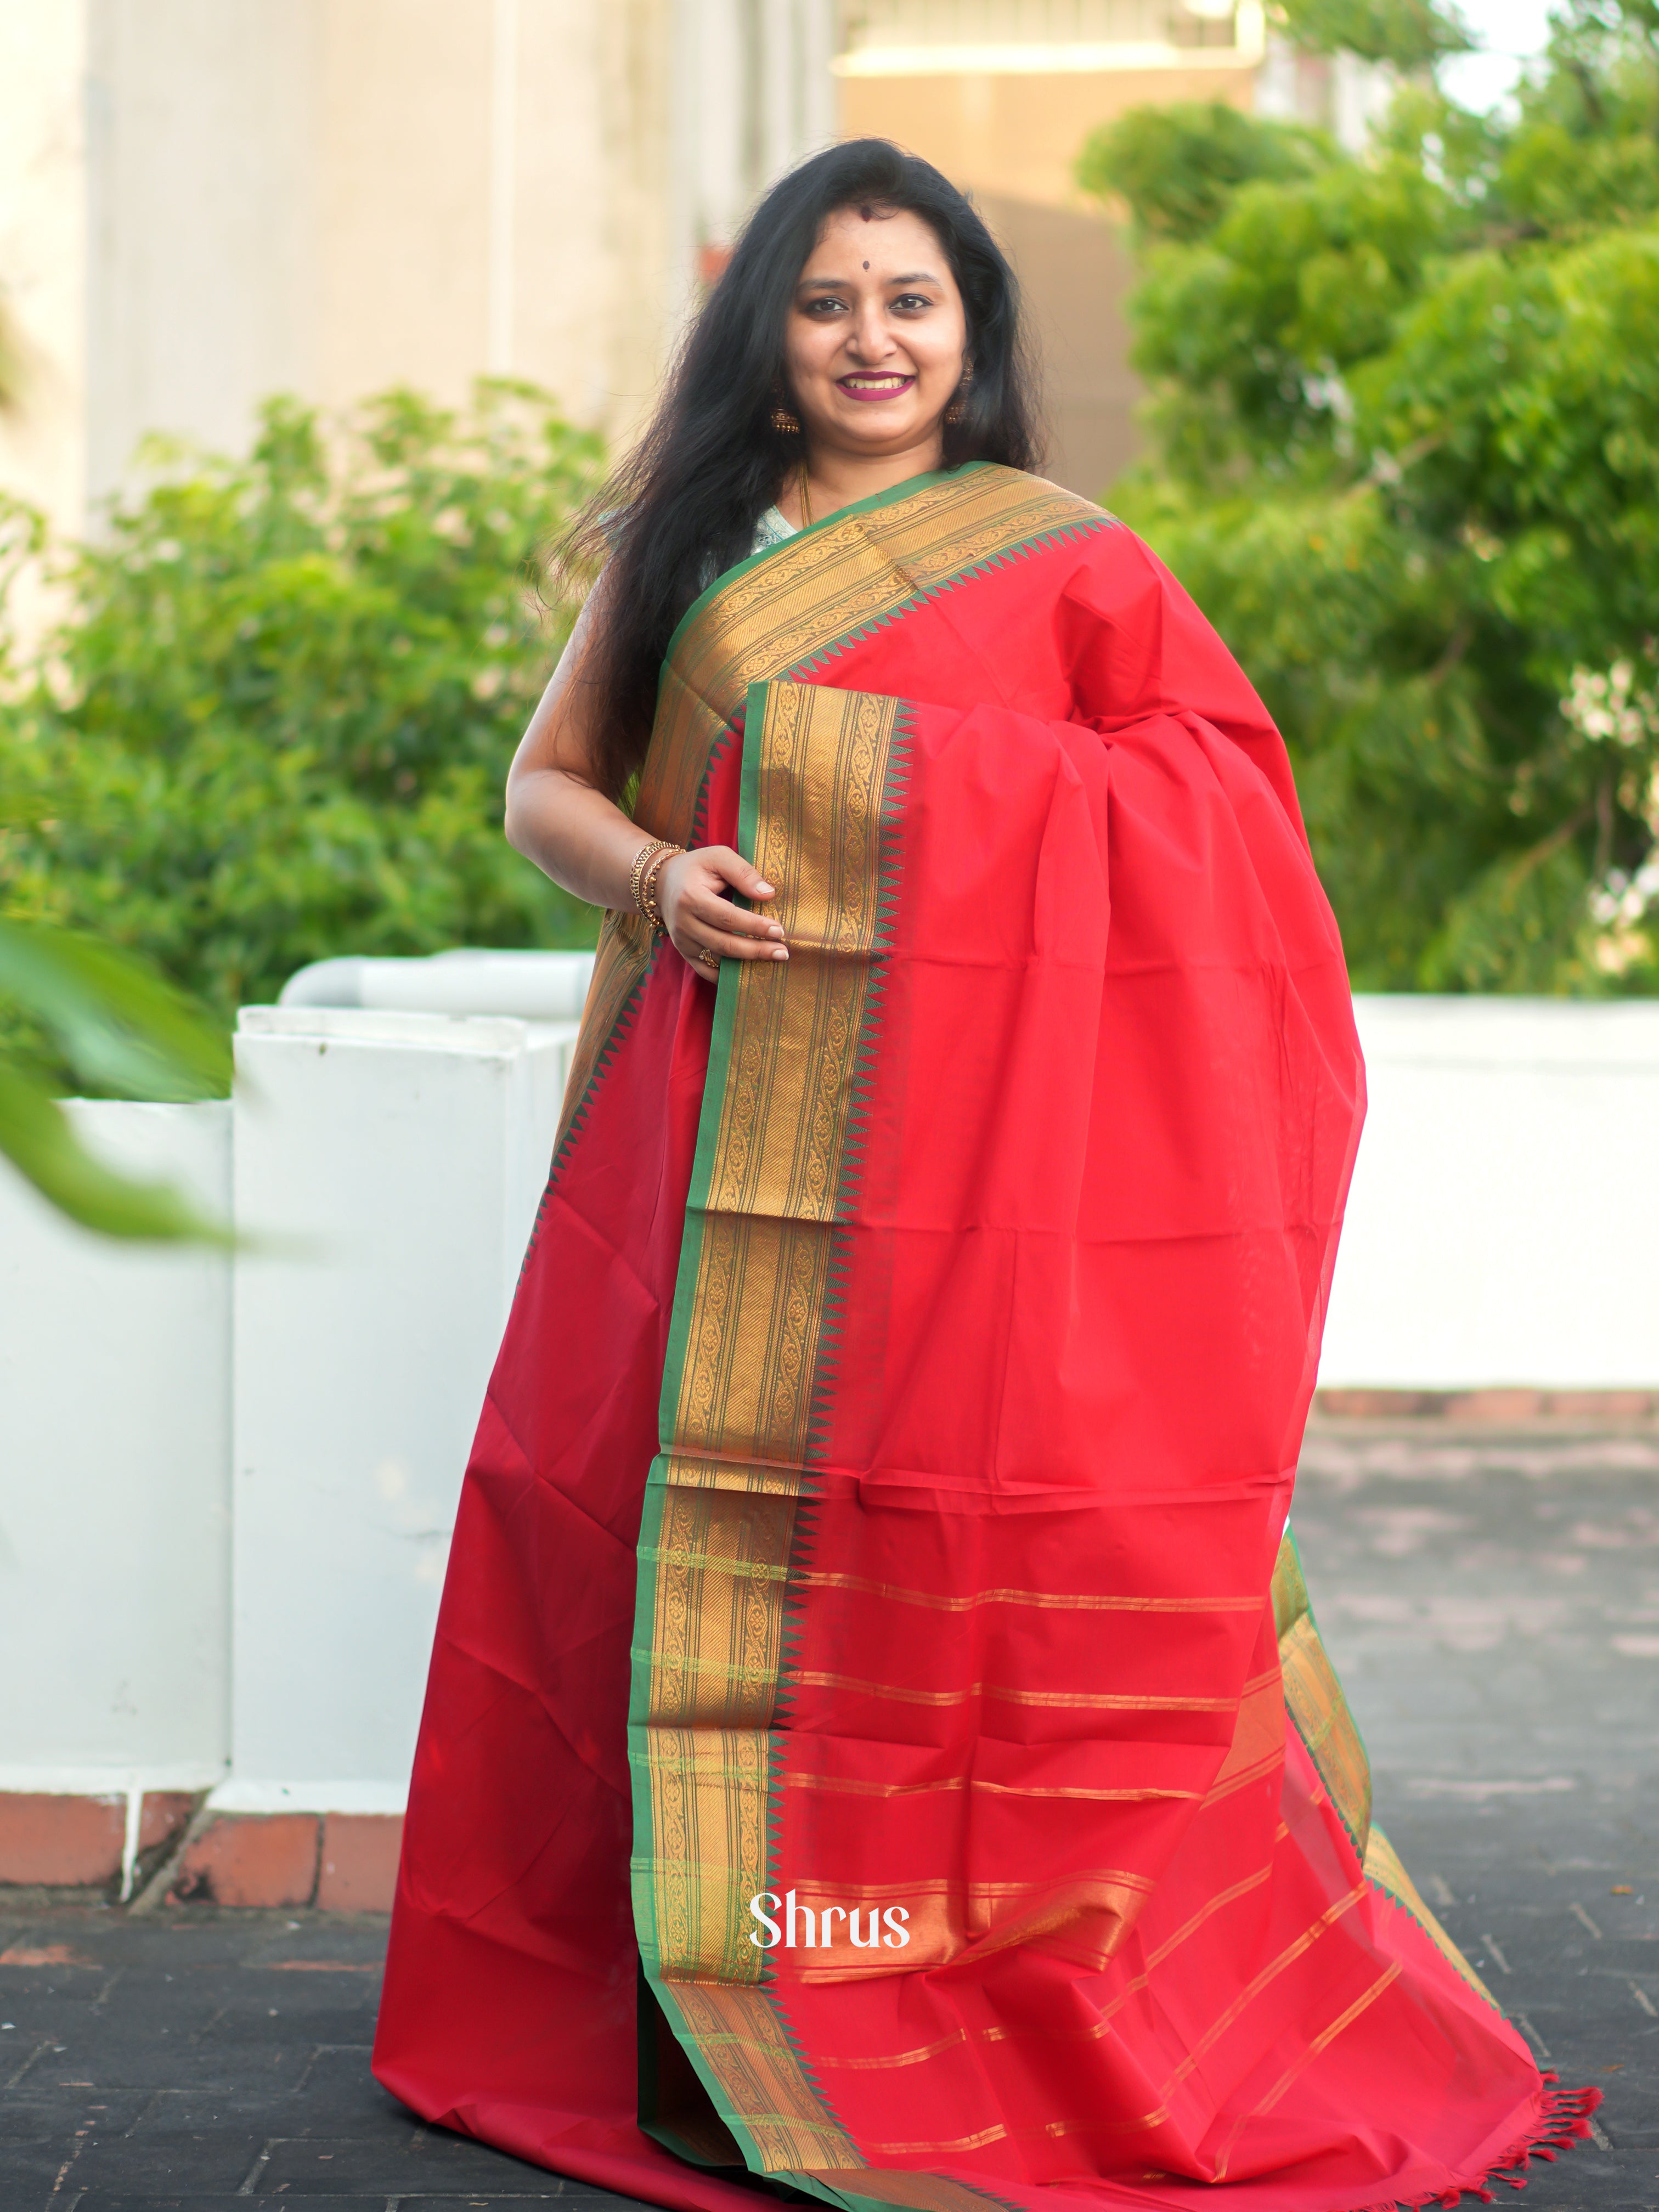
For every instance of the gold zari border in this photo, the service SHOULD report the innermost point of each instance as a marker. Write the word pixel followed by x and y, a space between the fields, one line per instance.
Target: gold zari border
pixel 777 1123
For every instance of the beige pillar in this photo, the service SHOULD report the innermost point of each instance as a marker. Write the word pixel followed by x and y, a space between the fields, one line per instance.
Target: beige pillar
pixel 43 254
pixel 203 202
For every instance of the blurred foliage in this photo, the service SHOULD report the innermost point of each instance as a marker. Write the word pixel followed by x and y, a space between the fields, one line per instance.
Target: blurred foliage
pixel 1411 35
pixel 1178 168
pixel 119 1028
pixel 274 720
pixel 1405 452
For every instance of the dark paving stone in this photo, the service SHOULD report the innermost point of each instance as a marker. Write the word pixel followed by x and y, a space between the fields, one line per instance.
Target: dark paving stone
pixel 1492 1603
pixel 342 2166
pixel 1492 1606
pixel 212 2158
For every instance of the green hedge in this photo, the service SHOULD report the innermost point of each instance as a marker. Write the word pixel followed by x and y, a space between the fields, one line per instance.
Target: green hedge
pixel 274 722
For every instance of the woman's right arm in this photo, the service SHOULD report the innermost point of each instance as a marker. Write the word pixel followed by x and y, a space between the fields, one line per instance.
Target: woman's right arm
pixel 558 817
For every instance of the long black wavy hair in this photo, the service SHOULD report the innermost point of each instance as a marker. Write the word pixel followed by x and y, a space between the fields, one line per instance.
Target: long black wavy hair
pixel 683 506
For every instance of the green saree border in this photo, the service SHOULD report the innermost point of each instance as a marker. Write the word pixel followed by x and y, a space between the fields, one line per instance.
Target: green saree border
pixel 869 505
pixel 845 871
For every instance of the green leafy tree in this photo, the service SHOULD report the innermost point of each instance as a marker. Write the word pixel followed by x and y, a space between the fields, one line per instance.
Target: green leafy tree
pixel 1405 450
pixel 1412 34
pixel 275 722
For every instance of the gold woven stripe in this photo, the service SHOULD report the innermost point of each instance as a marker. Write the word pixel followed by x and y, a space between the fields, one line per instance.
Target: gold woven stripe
pixel 1042 1600
pixel 1089 1701
pixel 846 1785
pixel 947 2147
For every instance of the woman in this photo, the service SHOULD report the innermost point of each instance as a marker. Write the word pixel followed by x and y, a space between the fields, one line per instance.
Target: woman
pixel 879 1513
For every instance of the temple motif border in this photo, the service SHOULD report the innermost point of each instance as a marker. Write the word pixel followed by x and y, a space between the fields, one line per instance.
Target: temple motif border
pixel 728 1498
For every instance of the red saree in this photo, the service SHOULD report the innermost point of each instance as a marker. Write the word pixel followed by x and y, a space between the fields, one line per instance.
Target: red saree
pixel 878 1517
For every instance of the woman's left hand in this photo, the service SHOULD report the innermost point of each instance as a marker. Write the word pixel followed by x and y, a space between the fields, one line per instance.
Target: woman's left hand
pixel 702 924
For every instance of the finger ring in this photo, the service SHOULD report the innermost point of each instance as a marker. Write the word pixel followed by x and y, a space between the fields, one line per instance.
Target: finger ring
pixel 710 959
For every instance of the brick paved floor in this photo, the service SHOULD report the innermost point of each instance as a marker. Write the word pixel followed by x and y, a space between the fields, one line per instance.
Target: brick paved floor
pixel 1493 1605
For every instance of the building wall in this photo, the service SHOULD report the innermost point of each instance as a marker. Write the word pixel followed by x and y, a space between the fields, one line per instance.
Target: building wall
pixel 198 216
pixel 1013 138
pixel 1017 132
pixel 43 252
pixel 1075 270
pixel 203 202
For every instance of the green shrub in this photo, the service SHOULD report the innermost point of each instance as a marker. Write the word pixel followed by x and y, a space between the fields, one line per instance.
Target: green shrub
pixel 276 718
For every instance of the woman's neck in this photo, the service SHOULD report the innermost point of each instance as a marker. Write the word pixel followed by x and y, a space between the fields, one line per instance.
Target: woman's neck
pixel 834 480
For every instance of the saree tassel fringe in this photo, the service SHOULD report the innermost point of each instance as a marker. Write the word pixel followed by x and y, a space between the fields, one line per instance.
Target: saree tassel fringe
pixel 1564 2120
pixel 878 1741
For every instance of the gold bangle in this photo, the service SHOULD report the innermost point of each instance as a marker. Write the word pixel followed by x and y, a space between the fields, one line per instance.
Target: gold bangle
pixel 649 904
pixel 643 860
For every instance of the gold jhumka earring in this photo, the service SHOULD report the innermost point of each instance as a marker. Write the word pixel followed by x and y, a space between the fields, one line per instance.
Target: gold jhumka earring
pixel 784 421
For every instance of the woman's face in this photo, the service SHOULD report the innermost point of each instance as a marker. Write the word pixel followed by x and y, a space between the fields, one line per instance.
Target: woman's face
pixel 875 341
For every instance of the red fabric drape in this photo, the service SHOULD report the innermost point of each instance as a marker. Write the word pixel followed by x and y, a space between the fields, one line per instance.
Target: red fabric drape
pixel 1109 1097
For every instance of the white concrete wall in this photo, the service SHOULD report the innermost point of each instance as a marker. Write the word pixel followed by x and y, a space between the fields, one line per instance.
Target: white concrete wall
pixel 115 1478
pixel 1504 1226
pixel 1504 1218
pixel 393 1162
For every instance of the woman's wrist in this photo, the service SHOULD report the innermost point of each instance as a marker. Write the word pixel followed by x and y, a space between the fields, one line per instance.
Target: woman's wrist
pixel 646 862
pixel 644 880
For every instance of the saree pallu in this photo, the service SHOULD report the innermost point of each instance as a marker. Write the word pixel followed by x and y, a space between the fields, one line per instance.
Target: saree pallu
pixel 877 1740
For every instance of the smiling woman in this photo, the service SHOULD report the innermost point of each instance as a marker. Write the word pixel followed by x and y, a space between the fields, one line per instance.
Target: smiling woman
pixel 879 1507
pixel 875 355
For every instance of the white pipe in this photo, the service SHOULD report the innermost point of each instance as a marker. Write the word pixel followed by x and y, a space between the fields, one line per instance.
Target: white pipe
pixel 129 1841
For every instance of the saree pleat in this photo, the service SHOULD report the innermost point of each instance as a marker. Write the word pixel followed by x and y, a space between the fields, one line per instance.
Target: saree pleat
pixel 875 1681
